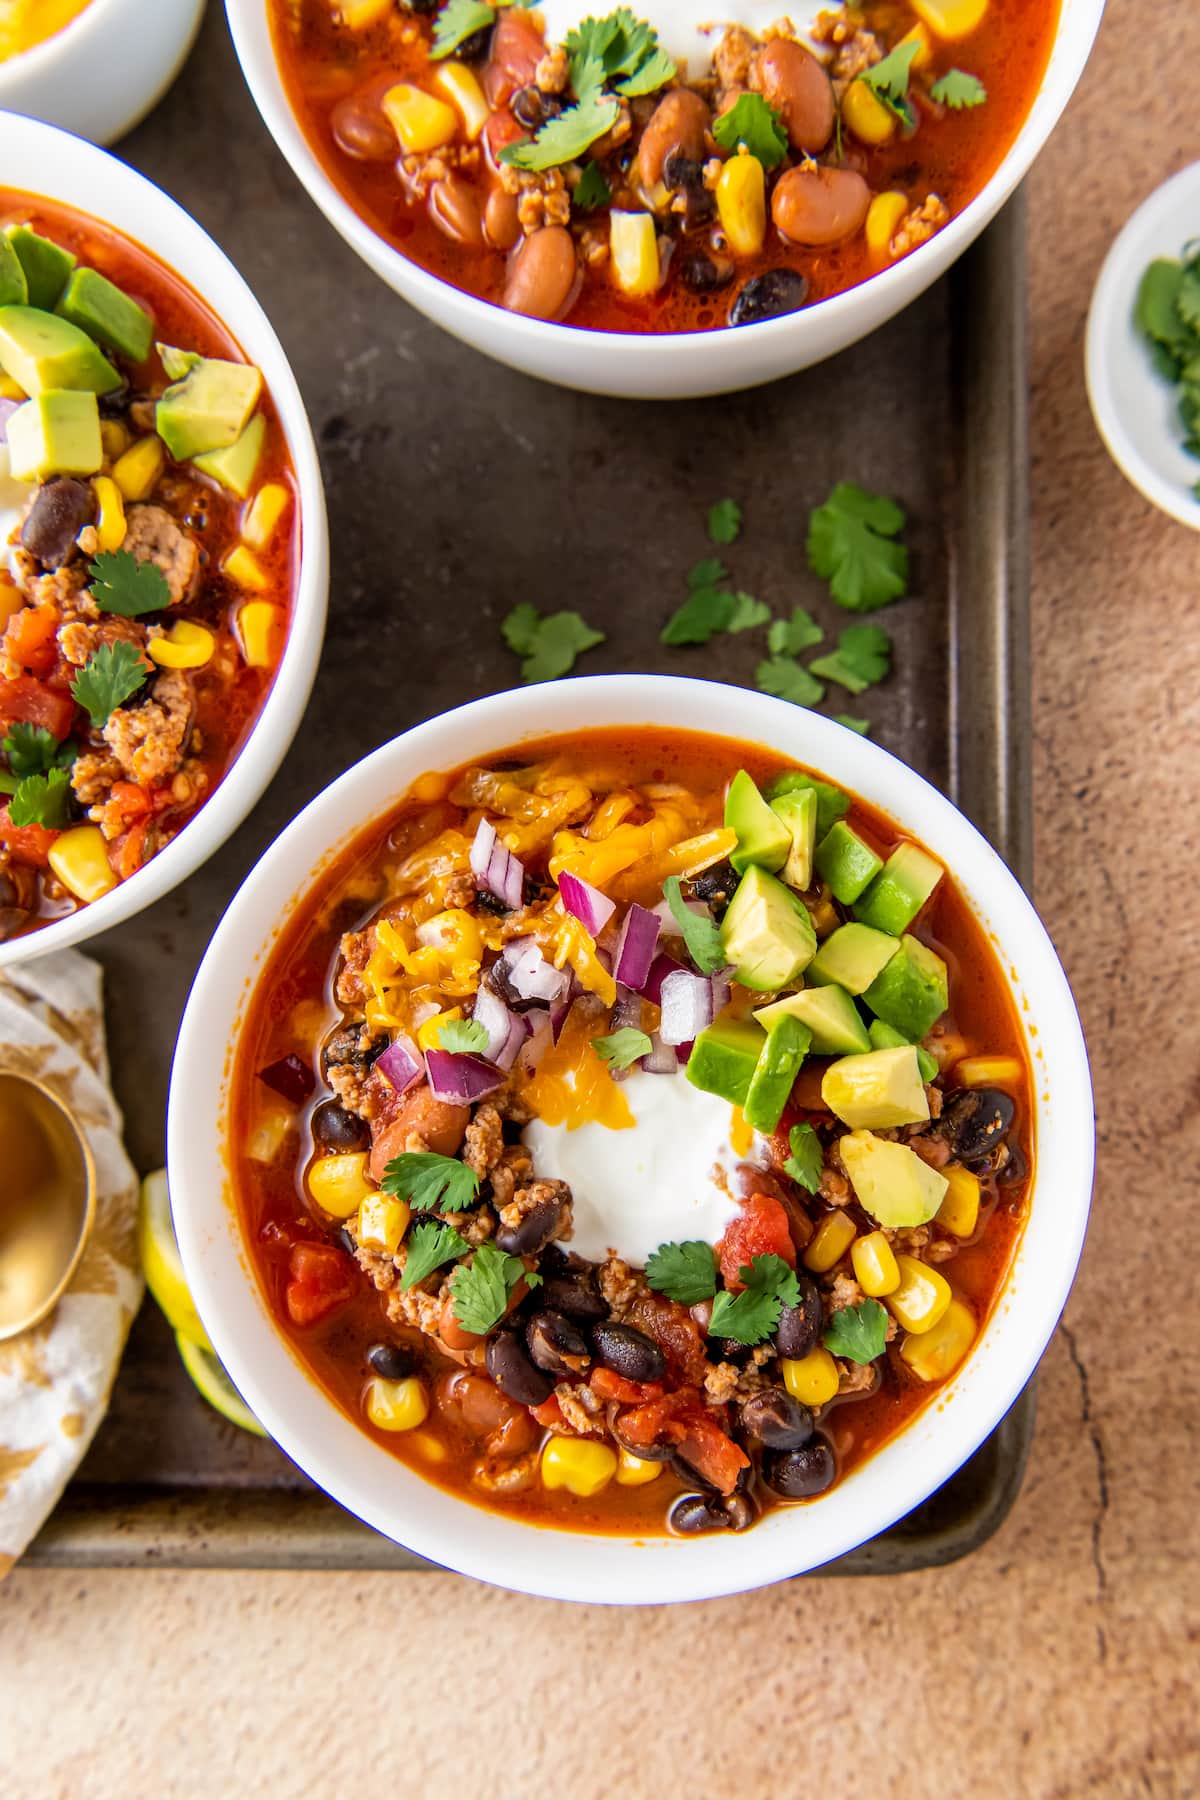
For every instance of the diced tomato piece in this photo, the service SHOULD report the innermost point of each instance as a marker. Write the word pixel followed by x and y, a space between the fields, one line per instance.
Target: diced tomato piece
pixel 501 130
pixel 611 1386
pixel 674 1331
pixel 29 638
pixel 712 1453
pixel 128 853
pixel 322 1278
pixel 28 844
pixel 31 701
pixel 133 800
pixel 549 1412
pixel 659 1421
pixel 760 1229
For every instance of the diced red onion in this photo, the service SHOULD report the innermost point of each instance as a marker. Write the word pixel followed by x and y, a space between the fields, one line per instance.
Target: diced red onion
pixel 530 975
pixel 687 1006
pixel 7 409
pixel 635 947
pixel 586 903
pixel 400 1064
pixel 506 1030
pixel 661 1058
pixel 540 1040
pixel 461 1077
pixel 721 984
pixel 496 870
pixel 670 924
pixel 660 968
pixel 290 1077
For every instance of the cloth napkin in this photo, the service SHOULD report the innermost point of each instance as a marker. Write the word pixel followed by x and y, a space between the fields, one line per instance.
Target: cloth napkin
pixel 55 1378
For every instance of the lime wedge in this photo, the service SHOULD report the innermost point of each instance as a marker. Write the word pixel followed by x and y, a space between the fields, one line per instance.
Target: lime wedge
pixel 215 1385
pixel 160 1260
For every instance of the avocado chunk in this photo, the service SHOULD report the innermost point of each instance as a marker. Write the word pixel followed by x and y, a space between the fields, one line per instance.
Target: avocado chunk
pixel 14 289
pixel 209 409
pixel 762 838
pixel 46 265
pixel 55 434
pixel 852 956
pixel 236 466
pixel 775 1073
pixel 900 890
pixel 846 863
pixel 107 314
pixel 912 991
pixel 43 352
pixel 832 804
pixel 767 932
pixel 877 1090
pixel 798 813
pixel 890 1181
pixel 177 363
pixel 886 1037
pixel 830 1015
pixel 725 1056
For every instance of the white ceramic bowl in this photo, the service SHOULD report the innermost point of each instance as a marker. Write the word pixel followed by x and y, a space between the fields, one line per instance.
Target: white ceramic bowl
pixel 560 1564
pixel 105 70
pixel 40 160
pixel 656 366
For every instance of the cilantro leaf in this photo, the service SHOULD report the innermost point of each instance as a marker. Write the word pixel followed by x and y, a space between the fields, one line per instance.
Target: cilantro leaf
pixel 709 572
pixel 702 937
pixel 685 1272
pixel 482 1288
pixel 548 645
pixel 861 659
pixel 655 72
pixel 121 584
pixel 456 22
pixel 724 521
pixel 706 611
pixel 748 613
pixel 563 139
pixel 621 1049
pixel 466 1035
pixel 1187 305
pixel 807 1159
pixel 888 79
pixel 618 48
pixel 591 190
pixel 431 1183
pixel 520 628
pixel 42 800
pixel 752 1315
pixel 109 676
pixel 857 1332
pixel 1156 309
pixel 851 546
pixel 751 121
pixel 788 637
pixel 429 1247
pixel 32 750
pixel 956 89
pixel 784 677
pixel 862 726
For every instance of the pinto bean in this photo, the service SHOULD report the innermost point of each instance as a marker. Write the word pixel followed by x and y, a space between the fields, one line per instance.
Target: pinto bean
pixel 452 1334
pixel 60 510
pixel 516 50
pixel 501 222
pixel 454 209
pixel 790 79
pixel 439 1123
pixel 362 130
pixel 819 207
pixel 679 122
pixel 542 273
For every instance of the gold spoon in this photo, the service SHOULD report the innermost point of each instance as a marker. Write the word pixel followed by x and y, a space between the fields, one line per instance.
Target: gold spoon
pixel 47 1200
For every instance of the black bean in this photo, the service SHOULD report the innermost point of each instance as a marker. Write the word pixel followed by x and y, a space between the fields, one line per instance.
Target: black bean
pixel 346 1045
pixel 775 1419
pixel 346 1242
pixel 390 1361
pixel 769 296
pixel 1014 1167
pixel 492 903
pixel 555 1344
pixel 799 1327
pixel 628 1352
pixel 977 1121
pixel 60 510
pixel 681 171
pixel 739 1510
pixel 475 47
pixel 534 1232
pixel 797 1474
pixel 532 109
pixel 336 1128
pixel 711 1512
pixel 716 885
pixel 574 1294
pixel 512 1371
pixel 419 6
pixel 113 404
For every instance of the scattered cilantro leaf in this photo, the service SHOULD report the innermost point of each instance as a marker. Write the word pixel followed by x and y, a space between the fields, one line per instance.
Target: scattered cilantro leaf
pixel 429 1247
pixel 1156 309
pixel 851 545
pixel 857 1332
pixel 621 1049
pixel 724 521
pixel 706 611
pixel 456 22
pixel 591 190
pixel 431 1183
pixel 42 800
pixel 751 121
pixel 784 677
pixel 752 1315
pixel 655 72
pixel 1187 304
pixel 807 1158
pixel 462 1036
pixel 565 138
pixel 861 659
pixel 957 90
pixel 700 934
pixel 32 750
pixel 748 613
pixel 788 637
pixel 548 645
pixel 684 1272
pixel 520 628
pixel 109 677
pixel 121 584
pixel 862 726
pixel 619 48
pixel 482 1287
pixel 709 572
pixel 888 79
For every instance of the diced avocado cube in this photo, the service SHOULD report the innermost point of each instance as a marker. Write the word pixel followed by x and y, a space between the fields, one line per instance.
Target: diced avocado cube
pixel 43 352
pixel 235 467
pixel 46 265
pixel 762 838
pixel 798 812
pixel 832 804
pixel 767 932
pixel 55 434
pixel 725 1056
pixel 775 1073
pixel 900 890
pixel 14 288
pixel 876 1090
pixel 912 991
pixel 886 1037
pixel 852 956
pixel 845 863
pixel 830 1015
pixel 100 308
pixel 890 1181
pixel 177 363
pixel 209 409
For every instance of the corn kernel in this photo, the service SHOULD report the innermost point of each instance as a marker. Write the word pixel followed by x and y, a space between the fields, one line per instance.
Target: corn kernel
pixel 420 121
pixel 865 114
pixel 10 389
pixel 577 1464
pixel 989 1071
pixel 429 1032
pixel 264 513
pixel 636 1471
pixel 137 471
pixel 950 19
pixel 811 1379
pixel 742 204
pixel 883 221
pixel 261 628
pixel 922 1297
pixel 397 1405
pixel 924 47
pixel 382 1222
pixel 830 1242
pixel 633 245
pixel 185 646
pixel 110 523
pixel 875 1267
pixel 428 1446
pixel 80 860
pixel 935 1353
pixel 959 1211
pixel 339 1184
pixel 114 439
pixel 360 15
pixel 461 87
pixel 242 566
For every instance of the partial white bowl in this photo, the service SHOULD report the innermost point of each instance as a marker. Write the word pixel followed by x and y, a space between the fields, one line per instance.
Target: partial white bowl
pixel 561 1564
pixel 41 160
pixel 658 366
pixel 104 71
pixel 1134 408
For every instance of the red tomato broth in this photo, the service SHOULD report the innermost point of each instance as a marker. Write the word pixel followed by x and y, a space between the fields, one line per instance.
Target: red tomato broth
pixel 292 1008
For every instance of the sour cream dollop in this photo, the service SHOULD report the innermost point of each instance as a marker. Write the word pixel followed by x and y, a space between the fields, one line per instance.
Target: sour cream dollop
pixel 688 30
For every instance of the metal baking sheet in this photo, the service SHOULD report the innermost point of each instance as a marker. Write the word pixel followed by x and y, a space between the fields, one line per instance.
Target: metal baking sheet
pixel 457 488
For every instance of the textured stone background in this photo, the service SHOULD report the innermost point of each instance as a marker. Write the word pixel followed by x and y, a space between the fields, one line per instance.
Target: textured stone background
pixel 1061 1658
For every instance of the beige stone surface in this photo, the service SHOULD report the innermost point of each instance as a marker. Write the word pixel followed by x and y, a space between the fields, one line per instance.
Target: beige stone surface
pixel 1059 1660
